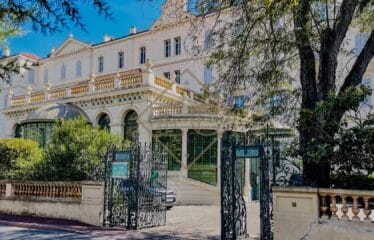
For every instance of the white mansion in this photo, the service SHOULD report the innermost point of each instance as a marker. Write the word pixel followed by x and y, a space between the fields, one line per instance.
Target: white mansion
pixel 145 83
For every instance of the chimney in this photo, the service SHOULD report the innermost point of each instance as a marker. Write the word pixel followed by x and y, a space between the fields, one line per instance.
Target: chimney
pixel 6 51
pixel 132 30
pixel 107 38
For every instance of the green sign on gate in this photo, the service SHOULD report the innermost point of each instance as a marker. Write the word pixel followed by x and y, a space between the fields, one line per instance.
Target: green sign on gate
pixel 120 170
pixel 120 166
pixel 247 151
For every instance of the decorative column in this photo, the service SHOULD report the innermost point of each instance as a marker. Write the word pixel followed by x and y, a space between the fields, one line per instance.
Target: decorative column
pixel 91 84
pixel 184 166
pixel 28 95
pixel 219 138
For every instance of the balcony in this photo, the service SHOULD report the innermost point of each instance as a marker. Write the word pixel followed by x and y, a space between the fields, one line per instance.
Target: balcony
pixel 99 84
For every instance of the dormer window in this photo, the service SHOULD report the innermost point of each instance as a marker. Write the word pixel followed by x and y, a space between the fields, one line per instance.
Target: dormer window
pixel 101 64
pixel 78 70
pixel 63 72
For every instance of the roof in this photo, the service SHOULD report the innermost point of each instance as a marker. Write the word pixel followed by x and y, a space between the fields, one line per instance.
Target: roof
pixel 56 111
pixel 29 55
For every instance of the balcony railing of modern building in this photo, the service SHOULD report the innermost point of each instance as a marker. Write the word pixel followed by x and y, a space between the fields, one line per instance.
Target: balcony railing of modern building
pixel 101 84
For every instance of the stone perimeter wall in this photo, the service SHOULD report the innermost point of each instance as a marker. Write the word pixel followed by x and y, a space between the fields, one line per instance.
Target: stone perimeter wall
pixel 81 201
pixel 300 213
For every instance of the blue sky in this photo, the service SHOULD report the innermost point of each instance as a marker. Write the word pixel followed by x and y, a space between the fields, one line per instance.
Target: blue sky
pixel 126 13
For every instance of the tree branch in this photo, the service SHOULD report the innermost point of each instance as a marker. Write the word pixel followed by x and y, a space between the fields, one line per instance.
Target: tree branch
pixel 354 78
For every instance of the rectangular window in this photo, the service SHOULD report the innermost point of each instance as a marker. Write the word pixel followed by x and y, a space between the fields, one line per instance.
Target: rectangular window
pixel 121 59
pixel 167 75
pixel 208 73
pixel 101 64
pixel 177 76
pixel 178 45
pixel 31 77
pixel 167 44
pixel 143 55
pixel 208 39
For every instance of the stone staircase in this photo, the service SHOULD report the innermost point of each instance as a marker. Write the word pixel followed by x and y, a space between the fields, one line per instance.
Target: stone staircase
pixel 192 192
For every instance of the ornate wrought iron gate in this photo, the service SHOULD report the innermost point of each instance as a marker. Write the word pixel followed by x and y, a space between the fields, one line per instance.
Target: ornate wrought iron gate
pixel 233 207
pixel 137 199
pixel 275 170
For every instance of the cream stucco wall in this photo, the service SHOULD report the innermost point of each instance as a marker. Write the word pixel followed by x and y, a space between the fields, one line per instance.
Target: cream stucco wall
pixel 88 210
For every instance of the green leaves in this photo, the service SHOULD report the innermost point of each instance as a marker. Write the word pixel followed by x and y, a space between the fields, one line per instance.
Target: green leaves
pixel 19 159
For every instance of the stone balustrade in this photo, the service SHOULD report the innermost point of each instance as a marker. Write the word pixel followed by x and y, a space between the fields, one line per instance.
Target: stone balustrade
pixel 52 190
pixel 203 109
pixel 37 98
pixel 57 94
pixel 131 81
pixel 122 80
pixel 104 84
pixel 353 205
pixel 162 82
pixel 18 101
pixel 80 201
pixel 177 110
pixel 167 111
pixel 79 90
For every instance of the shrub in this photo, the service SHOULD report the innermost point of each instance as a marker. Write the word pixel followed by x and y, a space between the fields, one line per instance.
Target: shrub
pixel 76 151
pixel 20 159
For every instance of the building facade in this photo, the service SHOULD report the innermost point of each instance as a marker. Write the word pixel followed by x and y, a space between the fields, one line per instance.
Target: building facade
pixel 144 84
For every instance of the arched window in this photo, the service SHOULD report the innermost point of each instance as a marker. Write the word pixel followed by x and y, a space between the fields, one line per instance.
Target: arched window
pixel 104 122
pixel 63 72
pixel 131 126
pixel 18 131
pixel 78 69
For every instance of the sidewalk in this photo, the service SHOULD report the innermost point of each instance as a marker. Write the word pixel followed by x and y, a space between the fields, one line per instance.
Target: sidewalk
pixel 70 226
